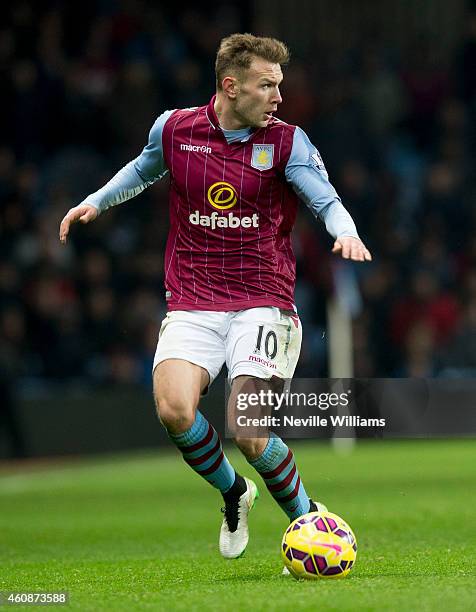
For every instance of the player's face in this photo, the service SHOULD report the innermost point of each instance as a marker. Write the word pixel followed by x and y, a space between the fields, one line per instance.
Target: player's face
pixel 258 96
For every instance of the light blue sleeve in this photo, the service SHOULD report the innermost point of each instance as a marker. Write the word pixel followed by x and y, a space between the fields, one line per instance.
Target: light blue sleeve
pixel 306 172
pixel 135 176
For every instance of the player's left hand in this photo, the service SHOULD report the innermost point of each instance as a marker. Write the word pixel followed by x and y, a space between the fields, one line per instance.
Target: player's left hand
pixel 351 248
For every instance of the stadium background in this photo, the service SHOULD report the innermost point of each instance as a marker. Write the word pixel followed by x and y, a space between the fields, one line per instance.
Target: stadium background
pixel 386 91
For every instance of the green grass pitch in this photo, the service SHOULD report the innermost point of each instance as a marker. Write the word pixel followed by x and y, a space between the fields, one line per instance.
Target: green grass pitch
pixel 139 532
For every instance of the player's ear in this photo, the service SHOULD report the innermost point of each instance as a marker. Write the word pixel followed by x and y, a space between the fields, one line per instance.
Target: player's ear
pixel 230 86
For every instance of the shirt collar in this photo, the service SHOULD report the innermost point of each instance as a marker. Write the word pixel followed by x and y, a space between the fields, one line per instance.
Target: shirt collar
pixel 213 119
pixel 211 114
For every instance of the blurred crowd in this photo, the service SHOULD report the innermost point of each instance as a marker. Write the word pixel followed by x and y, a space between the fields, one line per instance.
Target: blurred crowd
pixel 396 128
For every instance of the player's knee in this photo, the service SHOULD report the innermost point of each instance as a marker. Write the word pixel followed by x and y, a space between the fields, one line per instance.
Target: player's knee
pixel 251 447
pixel 175 416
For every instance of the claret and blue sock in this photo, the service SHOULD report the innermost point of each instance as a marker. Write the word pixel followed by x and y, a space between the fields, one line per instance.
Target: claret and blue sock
pixel 278 469
pixel 202 450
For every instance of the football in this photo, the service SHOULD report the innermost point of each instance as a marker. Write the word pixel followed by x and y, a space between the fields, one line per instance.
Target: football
pixel 319 545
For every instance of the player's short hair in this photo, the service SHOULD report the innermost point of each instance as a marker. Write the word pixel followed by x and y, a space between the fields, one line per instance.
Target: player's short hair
pixel 237 51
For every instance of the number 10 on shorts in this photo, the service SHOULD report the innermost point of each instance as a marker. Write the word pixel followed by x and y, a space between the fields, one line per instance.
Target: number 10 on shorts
pixel 270 343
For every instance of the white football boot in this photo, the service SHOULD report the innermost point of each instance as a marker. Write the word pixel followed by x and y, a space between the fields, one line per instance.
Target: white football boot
pixel 315 507
pixel 234 533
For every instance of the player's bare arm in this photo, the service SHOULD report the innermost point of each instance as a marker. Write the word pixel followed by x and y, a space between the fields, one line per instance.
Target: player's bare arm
pixel 84 213
pixel 351 248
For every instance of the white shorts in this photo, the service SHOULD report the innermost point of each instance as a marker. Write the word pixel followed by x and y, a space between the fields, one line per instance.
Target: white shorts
pixel 261 342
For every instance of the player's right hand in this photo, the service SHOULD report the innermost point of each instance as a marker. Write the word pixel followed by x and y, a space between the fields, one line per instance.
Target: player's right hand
pixel 83 213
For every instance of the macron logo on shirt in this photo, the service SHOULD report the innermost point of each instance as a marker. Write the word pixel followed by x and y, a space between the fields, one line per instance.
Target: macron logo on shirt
pixel 196 148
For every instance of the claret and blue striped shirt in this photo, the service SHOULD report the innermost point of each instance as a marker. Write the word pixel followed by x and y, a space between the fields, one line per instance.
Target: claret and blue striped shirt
pixel 233 200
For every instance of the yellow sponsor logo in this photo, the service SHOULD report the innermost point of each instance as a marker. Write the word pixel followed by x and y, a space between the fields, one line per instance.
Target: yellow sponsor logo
pixel 222 195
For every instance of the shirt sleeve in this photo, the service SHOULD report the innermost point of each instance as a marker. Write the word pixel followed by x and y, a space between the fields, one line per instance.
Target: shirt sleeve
pixel 135 176
pixel 306 172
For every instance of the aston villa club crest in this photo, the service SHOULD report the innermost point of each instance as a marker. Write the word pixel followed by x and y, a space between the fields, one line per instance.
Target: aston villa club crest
pixel 262 156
